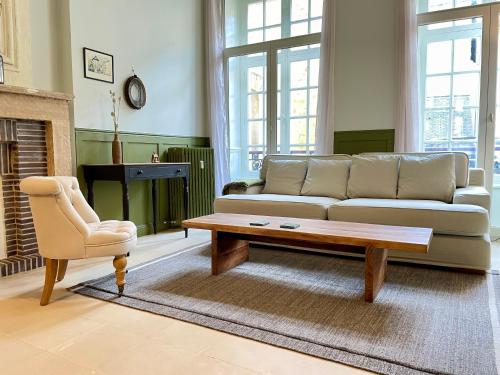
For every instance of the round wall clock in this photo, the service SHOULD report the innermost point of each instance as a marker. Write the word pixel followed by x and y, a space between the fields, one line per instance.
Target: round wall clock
pixel 135 92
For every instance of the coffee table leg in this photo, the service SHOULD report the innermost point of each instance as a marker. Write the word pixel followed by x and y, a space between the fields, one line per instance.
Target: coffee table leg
pixel 227 252
pixel 375 271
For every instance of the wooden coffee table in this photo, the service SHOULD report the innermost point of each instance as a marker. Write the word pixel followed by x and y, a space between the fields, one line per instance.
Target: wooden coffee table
pixel 232 232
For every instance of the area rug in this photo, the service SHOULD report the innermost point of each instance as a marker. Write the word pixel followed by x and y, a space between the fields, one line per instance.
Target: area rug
pixel 423 321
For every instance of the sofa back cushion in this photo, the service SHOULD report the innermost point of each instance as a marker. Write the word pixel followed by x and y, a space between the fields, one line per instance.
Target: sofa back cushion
pixel 327 178
pixel 461 163
pixel 373 177
pixel 427 177
pixel 285 177
pixel 267 158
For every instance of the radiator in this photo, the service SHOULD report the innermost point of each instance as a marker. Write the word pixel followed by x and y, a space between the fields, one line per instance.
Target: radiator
pixel 201 183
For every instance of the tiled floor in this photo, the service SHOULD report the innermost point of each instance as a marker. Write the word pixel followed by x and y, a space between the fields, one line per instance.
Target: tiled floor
pixel 79 335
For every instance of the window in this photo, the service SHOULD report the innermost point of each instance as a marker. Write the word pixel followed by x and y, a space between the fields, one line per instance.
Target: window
pixel 272 69
pixel 450 85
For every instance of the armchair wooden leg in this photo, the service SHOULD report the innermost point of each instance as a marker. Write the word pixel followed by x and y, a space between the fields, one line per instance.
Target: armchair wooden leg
pixel 50 279
pixel 61 269
pixel 120 264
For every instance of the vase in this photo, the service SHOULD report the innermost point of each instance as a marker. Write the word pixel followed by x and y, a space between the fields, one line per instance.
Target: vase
pixel 117 150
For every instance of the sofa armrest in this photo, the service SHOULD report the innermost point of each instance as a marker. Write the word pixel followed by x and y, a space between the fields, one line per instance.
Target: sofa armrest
pixel 475 195
pixel 244 187
pixel 476 177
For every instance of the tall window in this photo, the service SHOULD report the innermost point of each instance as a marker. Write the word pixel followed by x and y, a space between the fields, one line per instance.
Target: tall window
pixel 272 68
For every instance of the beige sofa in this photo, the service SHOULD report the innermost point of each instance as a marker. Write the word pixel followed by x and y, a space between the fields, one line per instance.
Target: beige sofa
pixel 460 221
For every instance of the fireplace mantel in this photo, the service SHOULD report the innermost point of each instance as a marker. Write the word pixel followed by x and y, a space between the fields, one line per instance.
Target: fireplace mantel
pixel 53 108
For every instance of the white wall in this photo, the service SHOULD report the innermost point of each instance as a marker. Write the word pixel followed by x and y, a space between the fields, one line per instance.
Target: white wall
pixel 365 67
pixel 163 40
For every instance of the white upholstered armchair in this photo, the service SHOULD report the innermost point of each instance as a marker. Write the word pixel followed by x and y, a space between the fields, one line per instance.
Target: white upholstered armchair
pixel 67 228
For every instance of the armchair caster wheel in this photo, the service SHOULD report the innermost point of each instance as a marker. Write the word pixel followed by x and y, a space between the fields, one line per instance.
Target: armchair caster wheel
pixel 121 288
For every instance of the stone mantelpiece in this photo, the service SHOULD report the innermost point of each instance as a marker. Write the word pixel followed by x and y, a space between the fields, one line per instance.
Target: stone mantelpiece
pixel 49 107
pixel 43 147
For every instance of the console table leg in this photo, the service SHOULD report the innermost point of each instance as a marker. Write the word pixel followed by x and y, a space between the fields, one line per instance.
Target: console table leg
pixel 155 214
pixel 90 192
pixel 125 201
pixel 186 202
pixel 227 252
pixel 375 271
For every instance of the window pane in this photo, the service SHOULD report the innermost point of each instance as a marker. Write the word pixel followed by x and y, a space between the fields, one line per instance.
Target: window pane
pixel 255 133
pixel 255 106
pixel 273 33
pixel 439 57
pixel 466 90
pixel 436 125
pixel 256 79
pixel 316 8
pixel 313 102
pixel 467 55
pixel 300 9
pixel 255 36
pixel 315 26
pixel 437 92
pixel 255 17
pixel 273 12
pixel 298 132
pixel 298 103
pixel 312 130
pixel 298 74
pixel 313 72
pixel 300 28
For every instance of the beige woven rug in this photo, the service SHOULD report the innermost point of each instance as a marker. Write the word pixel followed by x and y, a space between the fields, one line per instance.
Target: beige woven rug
pixel 423 321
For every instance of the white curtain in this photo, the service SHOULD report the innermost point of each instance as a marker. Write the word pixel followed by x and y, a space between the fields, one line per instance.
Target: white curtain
pixel 216 99
pixel 324 123
pixel 407 128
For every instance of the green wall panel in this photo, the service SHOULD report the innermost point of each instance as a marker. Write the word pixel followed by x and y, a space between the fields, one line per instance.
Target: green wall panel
pixel 94 147
pixel 356 142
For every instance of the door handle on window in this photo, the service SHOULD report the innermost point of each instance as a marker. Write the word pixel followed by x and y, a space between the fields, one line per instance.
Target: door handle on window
pixel 491 118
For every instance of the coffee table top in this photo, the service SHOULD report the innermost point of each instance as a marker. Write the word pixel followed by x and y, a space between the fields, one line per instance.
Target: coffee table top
pixel 321 231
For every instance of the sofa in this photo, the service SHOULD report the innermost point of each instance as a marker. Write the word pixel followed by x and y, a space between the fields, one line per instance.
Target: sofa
pixel 433 190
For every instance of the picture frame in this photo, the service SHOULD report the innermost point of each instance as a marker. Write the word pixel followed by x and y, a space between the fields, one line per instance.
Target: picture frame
pixel 98 65
pixel 2 74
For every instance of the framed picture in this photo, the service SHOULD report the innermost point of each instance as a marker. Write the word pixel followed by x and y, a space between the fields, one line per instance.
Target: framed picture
pixel 2 78
pixel 98 65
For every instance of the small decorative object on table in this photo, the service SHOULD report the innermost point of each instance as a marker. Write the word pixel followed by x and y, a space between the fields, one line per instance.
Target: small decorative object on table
pixel 2 79
pixel 155 158
pixel 116 145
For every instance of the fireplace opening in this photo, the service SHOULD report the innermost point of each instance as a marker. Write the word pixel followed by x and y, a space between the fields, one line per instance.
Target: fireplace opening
pixel 23 153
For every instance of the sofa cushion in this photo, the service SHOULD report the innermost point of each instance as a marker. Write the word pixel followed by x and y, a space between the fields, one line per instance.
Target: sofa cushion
pixel 302 157
pixel 275 205
pixel 455 219
pixel 372 177
pixel 427 177
pixel 285 177
pixel 461 163
pixel 327 178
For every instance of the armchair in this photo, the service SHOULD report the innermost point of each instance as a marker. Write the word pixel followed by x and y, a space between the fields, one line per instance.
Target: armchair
pixel 67 228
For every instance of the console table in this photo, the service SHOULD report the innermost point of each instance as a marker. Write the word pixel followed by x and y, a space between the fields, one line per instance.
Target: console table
pixel 128 172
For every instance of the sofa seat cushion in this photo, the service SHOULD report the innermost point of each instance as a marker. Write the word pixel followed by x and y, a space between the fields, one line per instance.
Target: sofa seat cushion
pixel 443 218
pixel 300 206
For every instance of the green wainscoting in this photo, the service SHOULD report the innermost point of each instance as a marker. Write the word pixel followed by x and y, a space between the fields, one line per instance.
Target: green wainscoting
pixel 94 147
pixel 356 142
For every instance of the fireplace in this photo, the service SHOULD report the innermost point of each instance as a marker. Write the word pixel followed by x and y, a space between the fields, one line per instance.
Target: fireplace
pixel 34 141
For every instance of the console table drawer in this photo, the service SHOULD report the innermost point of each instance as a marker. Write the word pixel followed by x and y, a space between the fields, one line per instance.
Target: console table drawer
pixel 158 172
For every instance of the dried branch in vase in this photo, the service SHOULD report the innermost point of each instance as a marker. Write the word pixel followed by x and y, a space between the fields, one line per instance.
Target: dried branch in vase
pixel 115 114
